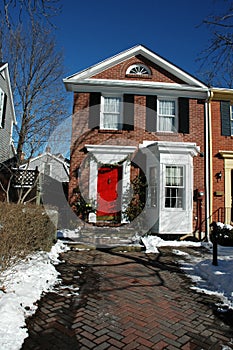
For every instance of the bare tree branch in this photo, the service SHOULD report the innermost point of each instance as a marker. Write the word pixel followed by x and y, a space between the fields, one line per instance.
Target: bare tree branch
pixel 33 9
pixel 37 86
pixel 217 59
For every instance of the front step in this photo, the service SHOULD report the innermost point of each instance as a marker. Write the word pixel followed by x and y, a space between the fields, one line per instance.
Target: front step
pixel 105 236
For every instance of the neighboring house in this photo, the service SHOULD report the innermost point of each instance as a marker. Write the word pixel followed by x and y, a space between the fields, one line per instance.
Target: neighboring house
pixel 221 155
pixel 53 178
pixel 7 121
pixel 52 165
pixel 7 115
pixel 138 113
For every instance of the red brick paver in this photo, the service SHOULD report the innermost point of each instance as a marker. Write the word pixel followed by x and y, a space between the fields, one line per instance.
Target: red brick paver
pixel 126 301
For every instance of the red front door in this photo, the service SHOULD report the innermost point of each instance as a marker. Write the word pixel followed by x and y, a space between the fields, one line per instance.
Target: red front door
pixel 109 193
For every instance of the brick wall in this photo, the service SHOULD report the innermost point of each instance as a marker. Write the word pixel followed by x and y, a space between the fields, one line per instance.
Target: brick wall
pixel 158 74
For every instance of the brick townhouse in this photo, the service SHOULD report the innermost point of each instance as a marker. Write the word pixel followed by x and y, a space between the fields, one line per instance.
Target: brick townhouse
pixel 221 154
pixel 137 113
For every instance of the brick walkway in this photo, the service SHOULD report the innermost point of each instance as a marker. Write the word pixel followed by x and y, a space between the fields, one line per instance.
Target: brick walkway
pixel 126 301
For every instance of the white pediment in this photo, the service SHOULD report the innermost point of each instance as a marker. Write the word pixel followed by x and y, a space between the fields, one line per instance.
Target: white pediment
pixel 84 77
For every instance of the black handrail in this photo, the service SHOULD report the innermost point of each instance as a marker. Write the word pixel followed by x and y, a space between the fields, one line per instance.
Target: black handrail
pixel 214 229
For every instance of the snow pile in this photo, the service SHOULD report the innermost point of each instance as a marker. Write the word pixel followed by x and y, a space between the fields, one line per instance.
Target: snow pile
pixel 66 233
pixel 224 226
pixel 151 243
pixel 22 285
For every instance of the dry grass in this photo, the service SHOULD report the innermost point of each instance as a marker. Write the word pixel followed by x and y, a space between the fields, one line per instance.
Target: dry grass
pixel 24 230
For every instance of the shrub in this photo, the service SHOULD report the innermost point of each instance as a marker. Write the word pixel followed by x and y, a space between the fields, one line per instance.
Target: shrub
pixel 138 200
pixel 222 234
pixel 24 229
pixel 81 207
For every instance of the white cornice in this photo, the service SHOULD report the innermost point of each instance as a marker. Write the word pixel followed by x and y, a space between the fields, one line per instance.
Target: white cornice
pixel 110 154
pixel 226 154
pixel 173 147
pixel 110 149
pixel 135 87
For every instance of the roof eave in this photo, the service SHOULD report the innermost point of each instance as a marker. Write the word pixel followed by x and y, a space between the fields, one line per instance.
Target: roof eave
pixel 222 94
pixel 5 66
pixel 133 87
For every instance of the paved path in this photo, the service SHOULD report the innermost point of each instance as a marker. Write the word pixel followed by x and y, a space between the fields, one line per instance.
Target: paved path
pixel 127 300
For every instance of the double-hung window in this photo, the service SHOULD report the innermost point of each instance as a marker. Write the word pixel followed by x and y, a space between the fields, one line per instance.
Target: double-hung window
pixel 111 112
pixel 167 113
pixel 174 187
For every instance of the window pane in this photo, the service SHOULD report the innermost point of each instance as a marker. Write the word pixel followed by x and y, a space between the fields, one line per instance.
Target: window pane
pixel 166 123
pixel 174 198
pixel 112 104
pixel 166 107
pixel 174 176
pixel 110 121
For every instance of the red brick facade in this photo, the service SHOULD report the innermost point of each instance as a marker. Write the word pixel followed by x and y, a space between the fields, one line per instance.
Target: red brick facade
pixel 158 74
pixel 82 135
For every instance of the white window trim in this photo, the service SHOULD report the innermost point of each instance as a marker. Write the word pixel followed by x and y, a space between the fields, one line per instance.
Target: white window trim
pixel 103 96
pixel 183 208
pixel 167 98
pixel 231 119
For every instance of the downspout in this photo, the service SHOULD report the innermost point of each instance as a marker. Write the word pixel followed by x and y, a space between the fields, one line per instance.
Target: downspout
pixel 208 163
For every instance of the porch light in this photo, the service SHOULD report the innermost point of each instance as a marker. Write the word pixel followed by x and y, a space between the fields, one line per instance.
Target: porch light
pixel 219 175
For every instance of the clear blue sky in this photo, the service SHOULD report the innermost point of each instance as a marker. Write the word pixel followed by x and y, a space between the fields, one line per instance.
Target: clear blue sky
pixel 92 30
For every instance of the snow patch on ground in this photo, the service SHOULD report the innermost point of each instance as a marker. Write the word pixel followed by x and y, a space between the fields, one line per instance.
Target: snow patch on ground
pixel 23 285
pixel 25 282
pixel 209 278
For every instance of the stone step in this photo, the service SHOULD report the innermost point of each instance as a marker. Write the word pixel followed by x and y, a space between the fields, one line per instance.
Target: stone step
pixel 104 236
